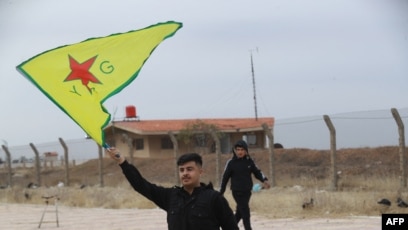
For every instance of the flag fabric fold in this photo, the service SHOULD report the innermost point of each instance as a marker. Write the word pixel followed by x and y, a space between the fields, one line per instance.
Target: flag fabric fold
pixel 78 78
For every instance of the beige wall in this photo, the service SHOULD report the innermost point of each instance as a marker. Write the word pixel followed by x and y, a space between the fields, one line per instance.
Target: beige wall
pixel 122 145
pixel 152 145
pixel 155 147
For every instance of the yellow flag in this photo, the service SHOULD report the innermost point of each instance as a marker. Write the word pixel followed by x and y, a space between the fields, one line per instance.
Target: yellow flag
pixel 78 78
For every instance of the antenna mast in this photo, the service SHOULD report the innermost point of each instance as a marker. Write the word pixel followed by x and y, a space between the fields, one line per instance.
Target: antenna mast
pixel 253 84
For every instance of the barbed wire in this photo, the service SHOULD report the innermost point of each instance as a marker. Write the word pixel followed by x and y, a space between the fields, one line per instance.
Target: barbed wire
pixel 286 131
pixel 301 120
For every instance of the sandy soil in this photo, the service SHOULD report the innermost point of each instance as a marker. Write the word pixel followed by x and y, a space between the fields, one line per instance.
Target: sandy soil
pixel 23 216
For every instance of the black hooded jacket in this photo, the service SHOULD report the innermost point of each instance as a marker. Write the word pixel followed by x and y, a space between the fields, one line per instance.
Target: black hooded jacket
pixel 204 209
pixel 240 170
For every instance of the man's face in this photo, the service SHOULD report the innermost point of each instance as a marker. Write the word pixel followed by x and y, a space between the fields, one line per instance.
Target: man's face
pixel 189 174
pixel 240 152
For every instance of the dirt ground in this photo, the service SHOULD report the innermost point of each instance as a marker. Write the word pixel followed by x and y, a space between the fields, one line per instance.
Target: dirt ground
pixel 20 216
pixel 291 164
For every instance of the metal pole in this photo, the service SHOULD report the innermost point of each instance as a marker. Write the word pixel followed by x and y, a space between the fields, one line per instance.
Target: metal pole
pixel 332 151
pixel 5 148
pixel 253 84
pixel 401 132
pixel 175 153
pixel 269 134
pixel 37 164
pixel 65 147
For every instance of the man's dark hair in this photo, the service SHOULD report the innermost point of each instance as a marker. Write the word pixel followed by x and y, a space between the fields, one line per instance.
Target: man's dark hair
pixel 190 157
pixel 242 144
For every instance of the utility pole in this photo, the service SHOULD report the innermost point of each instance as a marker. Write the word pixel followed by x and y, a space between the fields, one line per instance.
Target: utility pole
pixel 253 84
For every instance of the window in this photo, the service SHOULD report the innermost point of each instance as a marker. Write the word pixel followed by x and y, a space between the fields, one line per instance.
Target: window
pixel 251 139
pixel 201 140
pixel 166 143
pixel 138 144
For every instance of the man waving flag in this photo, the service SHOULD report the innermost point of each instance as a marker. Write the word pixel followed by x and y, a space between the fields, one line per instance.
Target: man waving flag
pixel 78 78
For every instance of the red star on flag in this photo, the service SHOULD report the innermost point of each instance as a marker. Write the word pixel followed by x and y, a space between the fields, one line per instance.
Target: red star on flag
pixel 80 71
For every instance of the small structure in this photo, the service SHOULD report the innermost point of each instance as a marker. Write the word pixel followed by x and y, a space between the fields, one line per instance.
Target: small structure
pixel 151 139
pixel 50 157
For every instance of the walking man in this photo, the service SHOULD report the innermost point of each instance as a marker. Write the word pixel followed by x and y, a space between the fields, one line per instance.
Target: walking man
pixel 240 168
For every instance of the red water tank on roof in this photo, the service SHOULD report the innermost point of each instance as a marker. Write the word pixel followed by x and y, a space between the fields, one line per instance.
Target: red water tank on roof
pixel 130 111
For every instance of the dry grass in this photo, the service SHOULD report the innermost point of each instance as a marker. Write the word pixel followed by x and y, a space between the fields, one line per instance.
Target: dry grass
pixel 301 174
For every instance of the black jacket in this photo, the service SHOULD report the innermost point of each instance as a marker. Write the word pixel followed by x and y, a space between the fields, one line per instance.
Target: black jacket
pixel 240 170
pixel 204 209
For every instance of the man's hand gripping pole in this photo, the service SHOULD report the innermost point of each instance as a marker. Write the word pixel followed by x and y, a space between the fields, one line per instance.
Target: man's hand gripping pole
pixel 107 147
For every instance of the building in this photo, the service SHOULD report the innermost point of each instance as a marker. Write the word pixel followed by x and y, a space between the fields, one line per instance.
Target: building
pixel 153 138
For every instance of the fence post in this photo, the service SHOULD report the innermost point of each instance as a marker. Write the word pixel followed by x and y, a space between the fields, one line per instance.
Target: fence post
pixel 101 182
pixel 66 160
pixel 332 151
pixel 217 156
pixel 130 146
pixel 400 124
pixel 8 163
pixel 175 149
pixel 37 164
pixel 269 133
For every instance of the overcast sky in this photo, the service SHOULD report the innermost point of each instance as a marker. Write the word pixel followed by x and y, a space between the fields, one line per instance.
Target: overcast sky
pixel 310 58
